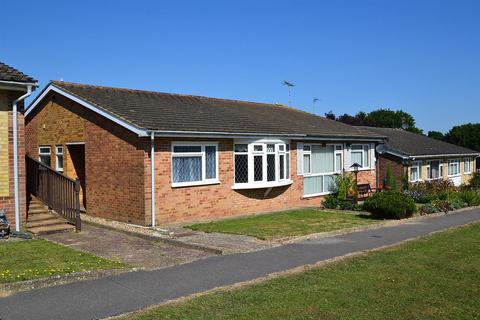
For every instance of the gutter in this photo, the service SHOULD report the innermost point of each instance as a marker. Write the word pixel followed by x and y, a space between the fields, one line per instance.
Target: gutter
pixel 446 155
pixel 15 156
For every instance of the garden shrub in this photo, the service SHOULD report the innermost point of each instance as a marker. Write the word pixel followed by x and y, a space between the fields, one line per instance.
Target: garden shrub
pixel 331 202
pixel 418 195
pixel 470 197
pixel 390 205
pixel 442 205
pixel 390 181
pixel 427 209
pixel 474 182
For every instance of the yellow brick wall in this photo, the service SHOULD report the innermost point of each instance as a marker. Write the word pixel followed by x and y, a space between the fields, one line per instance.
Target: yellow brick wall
pixel 4 163
pixel 464 176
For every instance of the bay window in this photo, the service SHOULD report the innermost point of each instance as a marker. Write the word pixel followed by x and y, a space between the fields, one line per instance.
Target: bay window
pixel 453 167
pixel 321 164
pixel 261 164
pixel 194 164
pixel 416 171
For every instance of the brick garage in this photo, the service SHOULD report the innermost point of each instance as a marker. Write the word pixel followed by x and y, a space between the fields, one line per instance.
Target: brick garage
pixel 117 155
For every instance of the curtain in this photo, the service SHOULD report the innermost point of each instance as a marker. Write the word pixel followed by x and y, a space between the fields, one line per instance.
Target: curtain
pixel 313 185
pixel 187 169
pixel 322 159
pixel 210 162
pixel 356 157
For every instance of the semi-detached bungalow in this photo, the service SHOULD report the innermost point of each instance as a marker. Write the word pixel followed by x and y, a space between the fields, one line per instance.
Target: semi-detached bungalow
pixel 145 157
pixel 414 157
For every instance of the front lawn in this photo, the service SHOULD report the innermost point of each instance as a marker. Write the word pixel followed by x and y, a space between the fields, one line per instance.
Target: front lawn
pixel 25 260
pixel 286 224
pixel 437 277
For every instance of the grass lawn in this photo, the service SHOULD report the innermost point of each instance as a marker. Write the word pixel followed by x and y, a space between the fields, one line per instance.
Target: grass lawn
pixel 286 224
pixel 24 260
pixel 436 277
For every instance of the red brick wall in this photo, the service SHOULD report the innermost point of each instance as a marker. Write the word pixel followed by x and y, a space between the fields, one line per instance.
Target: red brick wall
pixel 8 202
pixel 219 200
pixel 387 161
pixel 113 156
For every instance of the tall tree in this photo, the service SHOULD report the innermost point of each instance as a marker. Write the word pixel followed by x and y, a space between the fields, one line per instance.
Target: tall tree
pixel 436 135
pixel 466 135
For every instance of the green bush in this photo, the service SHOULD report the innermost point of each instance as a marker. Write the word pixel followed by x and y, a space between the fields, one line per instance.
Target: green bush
pixel 470 197
pixel 474 182
pixel 390 180
pixel 442 205
pixel 331 202
pixel 390 205
pixel 427 209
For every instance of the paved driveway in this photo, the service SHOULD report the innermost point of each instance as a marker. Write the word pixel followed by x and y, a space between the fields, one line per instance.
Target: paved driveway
pixel 127 292
pixel 117 245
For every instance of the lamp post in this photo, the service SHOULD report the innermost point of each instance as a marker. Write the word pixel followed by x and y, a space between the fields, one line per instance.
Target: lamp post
pixel 355 167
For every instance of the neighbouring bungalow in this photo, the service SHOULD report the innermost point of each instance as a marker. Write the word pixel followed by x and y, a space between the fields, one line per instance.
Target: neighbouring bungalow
pixel 15 86
pixel 154 158
pixel 414 157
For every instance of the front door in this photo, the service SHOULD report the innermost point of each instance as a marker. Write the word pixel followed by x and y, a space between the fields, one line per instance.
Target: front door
pixel 76 169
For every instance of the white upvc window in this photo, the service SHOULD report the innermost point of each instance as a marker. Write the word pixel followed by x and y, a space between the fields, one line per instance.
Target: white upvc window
pixel 453 167
pixel 321 164
pixel 434 169
pixel 360 153
pixel 45 155
pixel 194 163
pixel 261 163
pixel 467 166
pixel 416 171
pixel 59 158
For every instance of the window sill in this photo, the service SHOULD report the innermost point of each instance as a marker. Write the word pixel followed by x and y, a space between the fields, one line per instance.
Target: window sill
pixel 243 186
pixel 316 195
pixel 454 175
pixel 194 184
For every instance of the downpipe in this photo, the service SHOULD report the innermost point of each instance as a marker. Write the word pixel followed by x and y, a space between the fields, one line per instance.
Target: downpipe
pixel 15 157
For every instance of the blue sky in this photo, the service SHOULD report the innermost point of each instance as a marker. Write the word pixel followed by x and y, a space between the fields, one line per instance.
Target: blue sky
pixel 419 56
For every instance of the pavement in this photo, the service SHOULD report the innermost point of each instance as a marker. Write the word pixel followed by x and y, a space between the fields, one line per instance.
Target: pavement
pixel 118 294
pixel 139 252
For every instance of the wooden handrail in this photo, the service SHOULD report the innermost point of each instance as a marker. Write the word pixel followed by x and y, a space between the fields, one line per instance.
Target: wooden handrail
pixel 59 192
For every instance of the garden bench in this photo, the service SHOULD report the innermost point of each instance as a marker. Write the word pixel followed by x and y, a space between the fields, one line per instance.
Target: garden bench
pixel 364 190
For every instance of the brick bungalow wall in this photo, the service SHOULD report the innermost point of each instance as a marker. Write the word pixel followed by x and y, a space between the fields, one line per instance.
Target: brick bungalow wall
pixel 387 161
pixel 6 157
pixel 118 178
pixel 114 157
pixel 220 200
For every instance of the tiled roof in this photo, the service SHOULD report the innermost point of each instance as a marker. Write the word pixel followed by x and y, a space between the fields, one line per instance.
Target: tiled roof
pixel 8 73
pixel 176 112
pixel 412 144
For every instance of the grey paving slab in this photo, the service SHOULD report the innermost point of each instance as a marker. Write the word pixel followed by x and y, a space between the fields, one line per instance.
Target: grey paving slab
pixel 127 292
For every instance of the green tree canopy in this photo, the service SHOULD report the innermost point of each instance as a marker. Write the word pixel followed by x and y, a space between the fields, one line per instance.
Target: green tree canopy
pixel 466 135
pixel 436 135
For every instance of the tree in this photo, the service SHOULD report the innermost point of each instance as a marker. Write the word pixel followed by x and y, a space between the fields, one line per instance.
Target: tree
pixel 390 180
pixel 436 135
pixel 330 115
pixel 467 135
pixel 387 118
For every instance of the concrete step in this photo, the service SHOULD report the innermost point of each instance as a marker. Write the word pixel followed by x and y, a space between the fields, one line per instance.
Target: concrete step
pixel 56 228
pixel 40 217
pixel 39 210
pixel 47 222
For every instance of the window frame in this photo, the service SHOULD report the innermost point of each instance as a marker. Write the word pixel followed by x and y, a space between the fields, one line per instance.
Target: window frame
pixel 336 171
pixel 465 161
pixel 252 153
pixel 40 154
pixel 417 164
pixel 366 156
pixel 428 168
pixel 457 161
pixel 202 155
pixel 57 154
